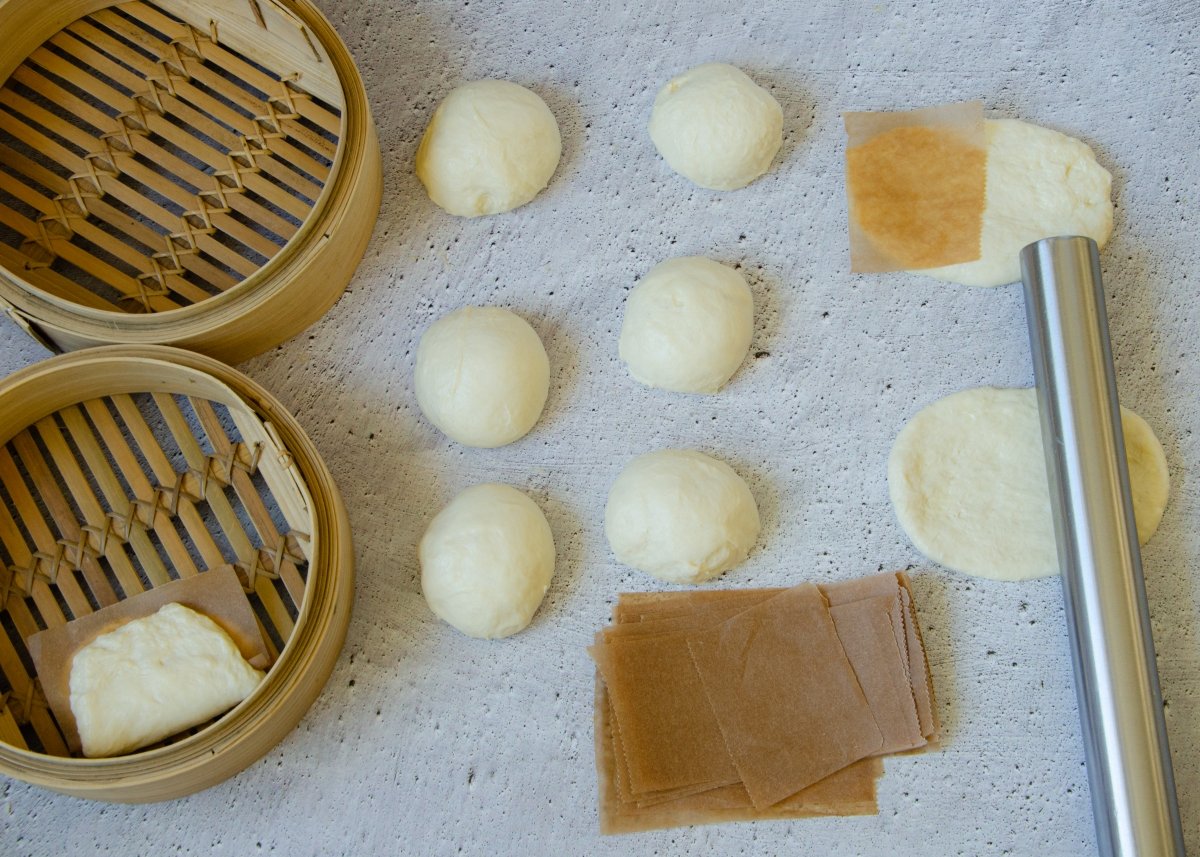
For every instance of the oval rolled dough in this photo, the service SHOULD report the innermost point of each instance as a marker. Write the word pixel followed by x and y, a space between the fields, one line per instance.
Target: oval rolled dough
pixel 968 481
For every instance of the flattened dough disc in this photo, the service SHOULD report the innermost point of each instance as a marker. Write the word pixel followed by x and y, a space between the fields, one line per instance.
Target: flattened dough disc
pixel 967 478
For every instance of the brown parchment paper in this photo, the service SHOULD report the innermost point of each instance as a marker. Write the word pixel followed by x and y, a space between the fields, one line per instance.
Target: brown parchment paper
pixel 216 593
pixel 919 664
pixel 865 629
pixel 655 606
pixel 773 666
pixel 915 187
pixel 667 731
pixel 644 606
pixel 850 791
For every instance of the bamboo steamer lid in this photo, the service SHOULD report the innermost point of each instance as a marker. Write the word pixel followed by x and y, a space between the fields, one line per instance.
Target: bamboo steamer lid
pixel 123 468
pixel 200 173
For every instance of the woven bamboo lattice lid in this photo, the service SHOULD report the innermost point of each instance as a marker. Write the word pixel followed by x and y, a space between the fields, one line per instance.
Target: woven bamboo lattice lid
pixel 196 173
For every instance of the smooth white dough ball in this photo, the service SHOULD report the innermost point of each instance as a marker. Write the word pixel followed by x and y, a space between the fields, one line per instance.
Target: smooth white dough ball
pixel 716 126
pixel 687 326
pixel 486 561
pixel 491 146
pixel 482 376
pixel 680 516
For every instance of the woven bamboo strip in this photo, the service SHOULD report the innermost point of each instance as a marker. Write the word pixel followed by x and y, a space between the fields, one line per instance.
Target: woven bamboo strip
pixel 59 191
pixel 22 577
pixel 26 691
pixel 157 88
pixel 51 282
pixel 92 181
pixel 62 222
pixel 10 732
pixel 31 699
pixel 187 52
pixel 161 184
pixel 162 471
pixel 31 114
pixel 97 181
pixel 37 80
pixel 37 588
pixel 180 493
pixel 78 551
pixel 277 544
pixel 174 80
pixel 113 160
pixel 291 496
pixel 56 192
pixel 279 112
pixel 123 520
pixel 147 503
pixel 97 532
pixel 51 558
pixel 53 245
pixel 313 109
pixel 77 256
pixel 14 604
pixel 247 554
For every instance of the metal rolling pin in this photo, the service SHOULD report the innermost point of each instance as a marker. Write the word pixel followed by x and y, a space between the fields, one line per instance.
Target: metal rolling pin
pixel 1116 679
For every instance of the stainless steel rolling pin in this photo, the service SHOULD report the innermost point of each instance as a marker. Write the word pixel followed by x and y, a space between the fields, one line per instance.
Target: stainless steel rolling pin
pixel 1116 679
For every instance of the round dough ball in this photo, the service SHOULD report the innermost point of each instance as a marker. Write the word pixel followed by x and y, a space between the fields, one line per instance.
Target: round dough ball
pixel 967 478
pixel 681 516
pixel 687 326
pixel 490 147
pixel 486 561
pixel 1040 183
pixel 716 126
pixel 482 376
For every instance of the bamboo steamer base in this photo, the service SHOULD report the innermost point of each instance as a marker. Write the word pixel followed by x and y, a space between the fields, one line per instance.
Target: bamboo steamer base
pixel 202 173
pixel 122 468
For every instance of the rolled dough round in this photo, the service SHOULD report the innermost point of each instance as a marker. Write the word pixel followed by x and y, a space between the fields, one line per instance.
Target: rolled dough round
pixel 716 126
pixel 482 376
pixel 486 561
pixel 968 481
pixel 1040 183
pixel 687 325
pixel 491 146
pixel 680 516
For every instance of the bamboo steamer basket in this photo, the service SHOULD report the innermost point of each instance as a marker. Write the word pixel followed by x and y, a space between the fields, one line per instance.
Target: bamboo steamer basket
pixel 199 173
pixel 122 468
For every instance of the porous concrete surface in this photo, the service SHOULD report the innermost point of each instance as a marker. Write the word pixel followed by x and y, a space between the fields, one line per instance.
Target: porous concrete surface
pixel 426 742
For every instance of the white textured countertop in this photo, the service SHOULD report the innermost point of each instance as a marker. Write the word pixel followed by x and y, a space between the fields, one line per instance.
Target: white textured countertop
pixel 425 742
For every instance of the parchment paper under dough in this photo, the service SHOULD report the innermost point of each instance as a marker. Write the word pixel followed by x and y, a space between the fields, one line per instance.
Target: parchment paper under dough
pixel 968 481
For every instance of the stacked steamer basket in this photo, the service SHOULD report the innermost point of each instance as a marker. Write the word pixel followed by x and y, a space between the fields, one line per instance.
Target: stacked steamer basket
pixel 202 174
pixel 182 465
